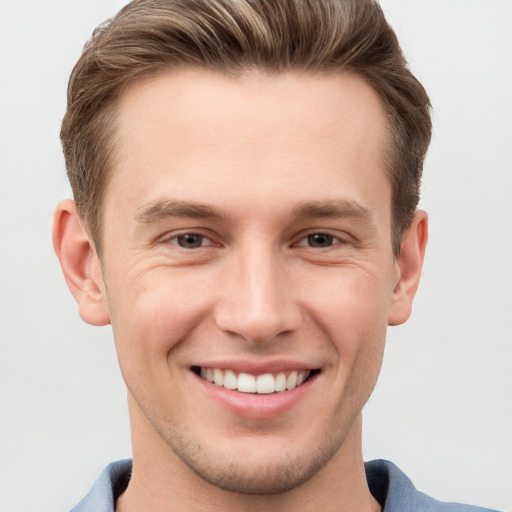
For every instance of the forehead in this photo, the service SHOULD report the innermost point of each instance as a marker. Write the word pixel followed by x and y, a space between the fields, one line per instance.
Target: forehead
pixel 196 130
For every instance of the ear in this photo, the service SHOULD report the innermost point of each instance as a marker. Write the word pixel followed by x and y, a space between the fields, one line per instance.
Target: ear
pixel 80 264
pixel 409 263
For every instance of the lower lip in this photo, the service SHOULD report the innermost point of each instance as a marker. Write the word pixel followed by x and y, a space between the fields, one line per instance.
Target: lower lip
pixel 256 405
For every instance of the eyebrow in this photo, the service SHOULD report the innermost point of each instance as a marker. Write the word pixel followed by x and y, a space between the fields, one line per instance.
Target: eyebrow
pixel 333 209
pixel 162 209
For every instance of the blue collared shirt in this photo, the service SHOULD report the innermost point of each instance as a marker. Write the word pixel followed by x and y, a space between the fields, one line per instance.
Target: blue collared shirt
pixel 390 487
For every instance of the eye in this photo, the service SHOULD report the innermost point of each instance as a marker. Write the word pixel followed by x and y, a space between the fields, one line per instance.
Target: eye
pixel 318 240
pixel 190 240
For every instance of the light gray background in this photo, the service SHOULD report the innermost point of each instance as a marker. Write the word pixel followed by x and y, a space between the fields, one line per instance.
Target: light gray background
pixel 443 408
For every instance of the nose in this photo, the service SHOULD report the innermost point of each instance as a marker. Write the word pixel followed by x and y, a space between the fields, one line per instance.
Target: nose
pixel 258 301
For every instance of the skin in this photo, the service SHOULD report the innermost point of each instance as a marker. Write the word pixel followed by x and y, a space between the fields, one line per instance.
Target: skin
pixel 256 166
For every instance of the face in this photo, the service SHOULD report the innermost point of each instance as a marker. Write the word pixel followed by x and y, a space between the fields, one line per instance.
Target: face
pixel 248 268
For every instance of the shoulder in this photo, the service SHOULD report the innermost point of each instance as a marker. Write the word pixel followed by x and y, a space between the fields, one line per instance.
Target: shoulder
pixel 396 493
pixel 112 481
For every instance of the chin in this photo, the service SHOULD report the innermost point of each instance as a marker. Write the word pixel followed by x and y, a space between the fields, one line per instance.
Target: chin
pixel 273 477
pixel 263 471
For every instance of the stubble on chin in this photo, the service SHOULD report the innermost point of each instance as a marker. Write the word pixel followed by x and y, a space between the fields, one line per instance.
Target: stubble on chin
pixel 252 475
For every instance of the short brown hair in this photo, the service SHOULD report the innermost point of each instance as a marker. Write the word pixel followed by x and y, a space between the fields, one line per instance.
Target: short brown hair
pixel 148 37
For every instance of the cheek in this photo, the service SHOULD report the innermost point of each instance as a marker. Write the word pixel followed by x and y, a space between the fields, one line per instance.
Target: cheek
pixel 361 377
pixel 352 305
pixel 151 316
pixel 357 329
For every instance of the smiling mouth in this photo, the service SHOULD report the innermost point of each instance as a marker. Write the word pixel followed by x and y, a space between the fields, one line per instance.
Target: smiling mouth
pixel 260 384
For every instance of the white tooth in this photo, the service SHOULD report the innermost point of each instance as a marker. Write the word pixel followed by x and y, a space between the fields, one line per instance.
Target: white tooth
pixel 203 373
pixel 265 383
pixel 230 380
pixel 280 384
pixel 246 383
pixel 291 381
pixel 301 377
pixel 209 375
pixel 218 377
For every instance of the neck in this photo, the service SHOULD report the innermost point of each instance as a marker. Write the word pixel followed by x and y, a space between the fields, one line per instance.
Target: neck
pixel 161 482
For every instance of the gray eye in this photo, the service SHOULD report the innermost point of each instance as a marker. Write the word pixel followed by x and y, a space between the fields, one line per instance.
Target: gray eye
pixel 320 240
pixel 190 240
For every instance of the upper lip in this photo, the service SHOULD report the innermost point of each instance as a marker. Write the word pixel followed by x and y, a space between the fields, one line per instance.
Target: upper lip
pixel 257 367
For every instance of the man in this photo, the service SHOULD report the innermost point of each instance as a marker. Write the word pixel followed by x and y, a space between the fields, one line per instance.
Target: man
pixel 245 179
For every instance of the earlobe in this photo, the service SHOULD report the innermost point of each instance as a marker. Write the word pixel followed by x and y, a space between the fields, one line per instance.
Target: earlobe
pixel 80 264
pixel 410 263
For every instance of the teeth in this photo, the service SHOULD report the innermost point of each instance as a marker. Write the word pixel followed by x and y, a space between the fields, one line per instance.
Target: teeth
pixel 218 377
pixel 280 384
pixel 246 383
pixel 291 381
pixel 230 380
pixel 265 384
